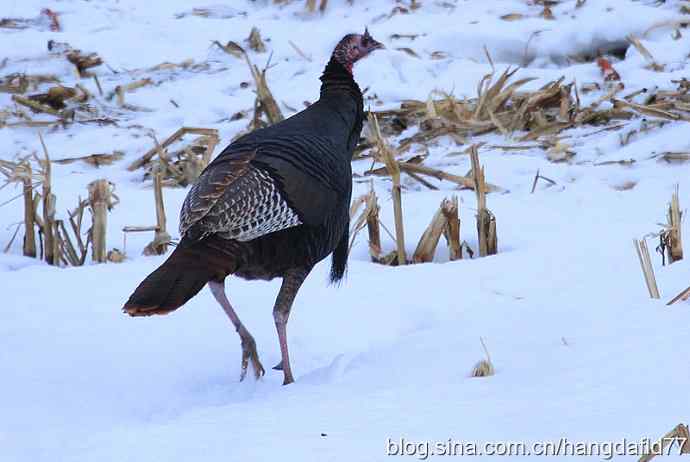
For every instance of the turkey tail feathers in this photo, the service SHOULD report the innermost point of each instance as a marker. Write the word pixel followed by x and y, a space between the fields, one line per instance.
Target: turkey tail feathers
pixel 177 280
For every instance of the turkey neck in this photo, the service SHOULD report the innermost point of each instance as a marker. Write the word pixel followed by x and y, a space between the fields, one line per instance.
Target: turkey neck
pixel 337 80
pixel 340 92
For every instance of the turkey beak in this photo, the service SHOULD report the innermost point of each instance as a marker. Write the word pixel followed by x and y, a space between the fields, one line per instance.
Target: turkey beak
pixel 370 43
pixel 374 45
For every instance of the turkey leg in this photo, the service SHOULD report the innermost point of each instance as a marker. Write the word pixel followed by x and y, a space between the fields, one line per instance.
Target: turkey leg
pixel 292 281
pixel 248 343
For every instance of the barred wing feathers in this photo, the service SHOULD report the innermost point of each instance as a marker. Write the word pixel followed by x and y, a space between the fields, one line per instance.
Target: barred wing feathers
pixel 236 201
pixel 259 186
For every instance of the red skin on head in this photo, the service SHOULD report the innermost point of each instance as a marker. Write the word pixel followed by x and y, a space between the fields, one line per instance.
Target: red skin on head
pixel 354 47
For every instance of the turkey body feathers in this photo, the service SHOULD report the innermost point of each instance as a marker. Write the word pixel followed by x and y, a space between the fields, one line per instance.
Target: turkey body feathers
pixel 294 174
pixel 274 200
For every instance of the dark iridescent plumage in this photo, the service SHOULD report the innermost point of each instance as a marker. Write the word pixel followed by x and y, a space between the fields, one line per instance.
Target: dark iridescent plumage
pixel 273 204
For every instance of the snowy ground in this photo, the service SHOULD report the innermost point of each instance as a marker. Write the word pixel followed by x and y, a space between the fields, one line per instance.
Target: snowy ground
pixel 580 350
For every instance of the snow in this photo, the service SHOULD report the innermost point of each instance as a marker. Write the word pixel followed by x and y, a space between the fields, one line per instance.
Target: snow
pixel 580 350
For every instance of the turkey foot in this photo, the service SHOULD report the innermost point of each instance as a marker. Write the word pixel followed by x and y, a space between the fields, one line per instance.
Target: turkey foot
pixel 248 344
pixel 279 366
pixel 249 354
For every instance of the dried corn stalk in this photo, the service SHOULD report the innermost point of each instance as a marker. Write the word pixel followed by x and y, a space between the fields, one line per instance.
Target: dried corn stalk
pixel 48 226
pixel 651 62
pixel 311 5
pixel 100 202
pixel 265 102
pixel 56 97
pixel 646 265
pixel 22 172
pixel 181 167
pixel 95 160
pixel 71 254
pixel 55 243
pixel 426 247
pixel 29 247
pixel 121 90
pixel 386 154
pixel 369 218
pixel 74 253
pixel 256 43
pixel 501 106
pixel 445 221
pixel 672 235
pixel 682 296
pixel 373 226
pixel 449 208
pixel 486 221
pixel 83 61
pixel 161 238
pixel 485 367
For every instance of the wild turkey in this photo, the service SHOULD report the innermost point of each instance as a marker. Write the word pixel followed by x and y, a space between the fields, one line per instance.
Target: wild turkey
pixel 272 204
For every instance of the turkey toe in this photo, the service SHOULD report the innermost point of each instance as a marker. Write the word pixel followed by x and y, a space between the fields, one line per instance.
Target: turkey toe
pixel 249 354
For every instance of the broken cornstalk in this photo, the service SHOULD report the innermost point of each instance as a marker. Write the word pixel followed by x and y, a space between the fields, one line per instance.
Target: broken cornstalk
pixel 485 367
pixel 100 201
pixel 445 221
pixel 373 227
pixel 29 247
pixel 121 90
pixel 161 238
pixel 486 221
pixel 672 235
pixel 426 248
pixel 684 295
pixel 83 61
pixel 22 172
pixel 311 5
pixel 646 265
pixel 48 228
pixel 449 208
pixel 76 217
pixel 265 102
pixel 211 133
pixel 256 43
pixel 537 177
pixel 462 181
pixel 386 154
pixel 369 218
